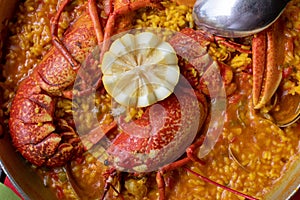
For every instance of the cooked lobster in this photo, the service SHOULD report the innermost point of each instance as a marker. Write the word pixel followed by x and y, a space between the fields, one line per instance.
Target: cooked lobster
pixel 46 141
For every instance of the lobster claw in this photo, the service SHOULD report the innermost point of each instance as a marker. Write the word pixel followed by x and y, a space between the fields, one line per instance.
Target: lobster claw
pixel 268 57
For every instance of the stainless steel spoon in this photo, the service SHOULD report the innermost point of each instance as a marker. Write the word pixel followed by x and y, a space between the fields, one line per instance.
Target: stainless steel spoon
pixel 236 18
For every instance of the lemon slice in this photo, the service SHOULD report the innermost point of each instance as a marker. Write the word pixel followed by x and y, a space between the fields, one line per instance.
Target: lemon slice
pixel 139 70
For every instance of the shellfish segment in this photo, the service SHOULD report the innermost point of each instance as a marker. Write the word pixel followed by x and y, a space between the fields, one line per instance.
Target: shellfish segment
pixel 139 70
pixel 289 111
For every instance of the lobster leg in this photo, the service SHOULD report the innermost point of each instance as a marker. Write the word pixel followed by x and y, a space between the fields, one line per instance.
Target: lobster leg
pixel 127 8
pixel 56 41
pixel 239 47
pixel 54 30
pixel 219 185
pixel 55 19
pixel 109 175
pixel 130 7
pixel 92 8
pixel 107 6
pixel 267 67
pixel 181 163
pixel 190 151
pixel 96 21
pixel 159 175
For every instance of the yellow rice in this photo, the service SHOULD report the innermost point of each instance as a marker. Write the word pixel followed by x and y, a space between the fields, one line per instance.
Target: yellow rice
pixel 262 166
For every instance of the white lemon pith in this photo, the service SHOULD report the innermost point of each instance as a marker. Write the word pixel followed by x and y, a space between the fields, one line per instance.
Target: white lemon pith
pixel 139 70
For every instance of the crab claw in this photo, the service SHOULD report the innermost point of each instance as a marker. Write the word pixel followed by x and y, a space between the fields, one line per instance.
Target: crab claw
pixel 268 57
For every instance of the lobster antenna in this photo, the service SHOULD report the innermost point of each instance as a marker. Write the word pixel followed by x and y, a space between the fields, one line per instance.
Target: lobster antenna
pixel 219 185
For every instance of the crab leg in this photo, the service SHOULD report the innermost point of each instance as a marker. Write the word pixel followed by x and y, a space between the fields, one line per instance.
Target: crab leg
pixel 267 64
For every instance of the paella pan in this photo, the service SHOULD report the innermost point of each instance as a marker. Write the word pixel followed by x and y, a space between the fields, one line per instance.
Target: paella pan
pixel 212 126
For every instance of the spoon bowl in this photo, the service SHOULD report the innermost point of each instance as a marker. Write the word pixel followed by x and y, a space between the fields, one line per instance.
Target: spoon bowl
pixel 236 18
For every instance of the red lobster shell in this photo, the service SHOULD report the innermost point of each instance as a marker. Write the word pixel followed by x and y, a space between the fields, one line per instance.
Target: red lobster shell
pixel 35 133
pixel 162 134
